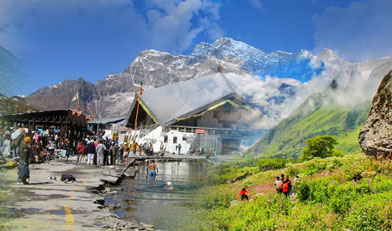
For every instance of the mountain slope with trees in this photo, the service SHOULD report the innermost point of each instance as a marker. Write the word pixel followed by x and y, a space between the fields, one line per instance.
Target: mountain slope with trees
pixel 313 118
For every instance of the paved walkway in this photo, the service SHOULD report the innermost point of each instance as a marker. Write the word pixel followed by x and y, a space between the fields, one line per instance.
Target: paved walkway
pixel 48 204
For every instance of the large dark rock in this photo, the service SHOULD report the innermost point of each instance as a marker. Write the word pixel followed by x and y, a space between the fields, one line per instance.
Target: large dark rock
pixel 376 135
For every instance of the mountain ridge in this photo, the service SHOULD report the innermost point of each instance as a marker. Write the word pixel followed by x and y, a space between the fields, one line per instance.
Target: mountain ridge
pixel 112 95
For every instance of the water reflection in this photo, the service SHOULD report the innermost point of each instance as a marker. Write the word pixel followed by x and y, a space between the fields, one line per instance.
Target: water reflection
pixel 155 204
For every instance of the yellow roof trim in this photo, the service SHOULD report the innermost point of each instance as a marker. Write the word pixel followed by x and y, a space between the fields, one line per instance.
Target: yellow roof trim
pixel 210 108
pixel 148 111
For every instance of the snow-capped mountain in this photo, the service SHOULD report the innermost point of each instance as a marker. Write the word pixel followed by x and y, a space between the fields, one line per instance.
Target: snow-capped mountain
pixel 296 65
pixel 274 83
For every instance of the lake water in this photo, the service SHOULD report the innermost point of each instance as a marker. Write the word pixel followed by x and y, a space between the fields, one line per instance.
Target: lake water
pixel 152 203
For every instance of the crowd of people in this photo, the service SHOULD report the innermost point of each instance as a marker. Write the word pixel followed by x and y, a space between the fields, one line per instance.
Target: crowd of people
pixel 101 151
pixel 38 147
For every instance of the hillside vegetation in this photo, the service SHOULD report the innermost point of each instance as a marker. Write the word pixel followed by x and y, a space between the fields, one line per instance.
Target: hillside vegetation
pixel 13 105
pixel 289 137
pixel 337 193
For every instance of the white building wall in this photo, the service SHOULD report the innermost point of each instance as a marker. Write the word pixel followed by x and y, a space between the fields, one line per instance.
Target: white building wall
pixel 157 136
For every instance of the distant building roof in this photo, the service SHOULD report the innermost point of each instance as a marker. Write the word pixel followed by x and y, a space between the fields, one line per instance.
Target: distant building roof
pixel 170 102
pixel 55 117
pixel 107 120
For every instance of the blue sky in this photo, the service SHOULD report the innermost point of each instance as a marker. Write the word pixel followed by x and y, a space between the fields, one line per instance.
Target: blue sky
pixel 68 39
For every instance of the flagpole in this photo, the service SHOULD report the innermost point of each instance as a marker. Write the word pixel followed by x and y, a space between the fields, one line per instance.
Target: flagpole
pixel 78 106
pixel 137 112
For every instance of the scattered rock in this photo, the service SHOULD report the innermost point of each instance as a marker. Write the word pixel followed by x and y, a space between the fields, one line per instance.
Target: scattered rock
pixel 112 193
pixel 99 201
pixel 147 226
pixel 113 207
pixel 131 173
pixel 110 180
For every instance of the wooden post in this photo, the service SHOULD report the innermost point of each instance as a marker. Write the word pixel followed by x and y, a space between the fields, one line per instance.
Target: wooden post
pixel 137 111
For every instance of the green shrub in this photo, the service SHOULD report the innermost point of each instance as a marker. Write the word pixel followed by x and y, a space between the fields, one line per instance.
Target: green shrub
pixel 353 192
pixel 342 198
pixel 303 191
pixel 372 212
pixel 265 164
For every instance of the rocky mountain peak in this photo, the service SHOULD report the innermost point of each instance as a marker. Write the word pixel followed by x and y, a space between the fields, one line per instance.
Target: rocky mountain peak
pixel 111 96
pixel 226 47
pixel 59 96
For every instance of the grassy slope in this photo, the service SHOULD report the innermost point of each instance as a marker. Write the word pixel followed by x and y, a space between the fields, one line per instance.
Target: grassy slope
pixel 288 138
pixel 327 198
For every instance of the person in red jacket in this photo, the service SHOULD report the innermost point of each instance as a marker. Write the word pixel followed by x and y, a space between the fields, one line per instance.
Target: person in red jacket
pixel 286 187
pixel 80 149
pixel 244 194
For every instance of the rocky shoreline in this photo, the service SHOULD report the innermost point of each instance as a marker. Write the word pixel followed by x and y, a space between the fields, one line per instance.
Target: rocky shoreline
pixel 110 178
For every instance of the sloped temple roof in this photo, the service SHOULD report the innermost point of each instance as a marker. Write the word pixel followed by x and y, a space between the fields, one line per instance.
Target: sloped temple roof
pixel 167 104
pixel 106 120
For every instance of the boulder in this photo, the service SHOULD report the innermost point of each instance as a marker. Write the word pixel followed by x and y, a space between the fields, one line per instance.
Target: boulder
pixel 110 180
pixel 375 136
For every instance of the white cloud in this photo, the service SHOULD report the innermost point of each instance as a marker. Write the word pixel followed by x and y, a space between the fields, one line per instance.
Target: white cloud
pixel 163 24
pixel 174 25
pixel 260 93
pixel 359 32
pixel 256 4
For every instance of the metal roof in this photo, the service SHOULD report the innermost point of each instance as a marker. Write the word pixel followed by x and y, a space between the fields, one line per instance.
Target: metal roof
pixel 106 120
pixel 170 102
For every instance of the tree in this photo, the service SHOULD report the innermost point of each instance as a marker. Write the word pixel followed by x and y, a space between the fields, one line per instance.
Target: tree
pixel 319 146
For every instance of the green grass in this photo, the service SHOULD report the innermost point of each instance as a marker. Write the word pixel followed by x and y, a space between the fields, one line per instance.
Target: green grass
pixel 327 198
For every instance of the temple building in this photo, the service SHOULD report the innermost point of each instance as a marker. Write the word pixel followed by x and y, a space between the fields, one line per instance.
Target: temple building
pixel 199 115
